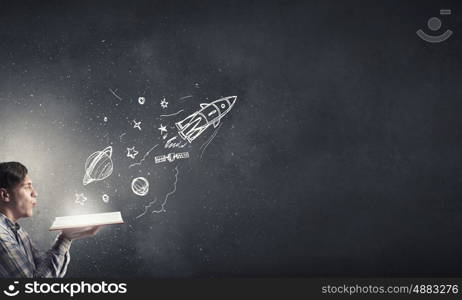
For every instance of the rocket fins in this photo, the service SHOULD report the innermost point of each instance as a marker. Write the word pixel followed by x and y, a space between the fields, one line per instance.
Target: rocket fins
pixel 179 126
pixel 215 124
pixel 204 105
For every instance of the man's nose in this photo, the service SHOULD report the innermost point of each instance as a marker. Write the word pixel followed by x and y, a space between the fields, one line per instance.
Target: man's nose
pixel 34 193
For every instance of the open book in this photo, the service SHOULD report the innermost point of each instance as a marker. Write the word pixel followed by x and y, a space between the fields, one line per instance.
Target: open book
pixel 87 220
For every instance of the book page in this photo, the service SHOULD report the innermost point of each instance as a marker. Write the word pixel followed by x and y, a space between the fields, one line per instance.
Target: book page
pixel 86 220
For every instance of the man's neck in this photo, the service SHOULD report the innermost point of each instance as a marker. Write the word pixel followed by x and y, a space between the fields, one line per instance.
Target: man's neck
pixel 8 214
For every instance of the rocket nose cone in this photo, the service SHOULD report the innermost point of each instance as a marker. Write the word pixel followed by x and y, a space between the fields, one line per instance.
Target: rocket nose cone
pixel 231 100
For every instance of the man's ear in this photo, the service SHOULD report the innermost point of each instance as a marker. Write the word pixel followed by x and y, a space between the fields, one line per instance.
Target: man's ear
pixel 4 195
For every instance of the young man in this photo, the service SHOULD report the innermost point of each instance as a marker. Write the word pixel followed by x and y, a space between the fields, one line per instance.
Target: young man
pixel 18 255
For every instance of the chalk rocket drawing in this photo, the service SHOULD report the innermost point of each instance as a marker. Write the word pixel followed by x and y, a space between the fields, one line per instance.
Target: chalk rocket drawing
pixel 98 166
pixel 209 114
pixel 140 186
pixel 171 157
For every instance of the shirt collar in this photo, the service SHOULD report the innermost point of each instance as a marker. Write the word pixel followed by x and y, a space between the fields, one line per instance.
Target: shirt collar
pixel 9 223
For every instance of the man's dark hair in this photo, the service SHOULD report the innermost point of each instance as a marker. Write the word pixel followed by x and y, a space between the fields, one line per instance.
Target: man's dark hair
pixel 11 174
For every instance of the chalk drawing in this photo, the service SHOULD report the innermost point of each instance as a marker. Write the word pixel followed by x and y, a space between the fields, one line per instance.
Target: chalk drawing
pixel 163 103
pixel 131 152
pixel 171 157
pixel 140 186
pixel 98 166
pixel 209 114
pixel 80 199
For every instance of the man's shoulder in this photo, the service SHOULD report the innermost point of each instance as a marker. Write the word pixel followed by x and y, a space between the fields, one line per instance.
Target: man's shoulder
pixel 6 235
pixel 23 233
pixel 4 229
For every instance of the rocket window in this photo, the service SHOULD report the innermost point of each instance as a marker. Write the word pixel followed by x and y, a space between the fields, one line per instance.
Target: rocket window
pixel 210 111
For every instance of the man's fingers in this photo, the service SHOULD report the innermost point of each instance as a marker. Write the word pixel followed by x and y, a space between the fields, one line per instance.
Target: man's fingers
pixel 94 230
pixel 82 232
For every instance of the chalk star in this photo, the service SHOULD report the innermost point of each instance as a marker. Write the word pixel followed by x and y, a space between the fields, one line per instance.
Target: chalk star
pixel 164 103
pixel 137 124
pixel 162 128
pixel 131 152
pixel 80 199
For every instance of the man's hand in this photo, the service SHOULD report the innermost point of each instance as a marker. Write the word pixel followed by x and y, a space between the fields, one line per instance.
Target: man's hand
pixel 80 233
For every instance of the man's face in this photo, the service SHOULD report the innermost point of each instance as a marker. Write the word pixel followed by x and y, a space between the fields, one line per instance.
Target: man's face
pixel 24 198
